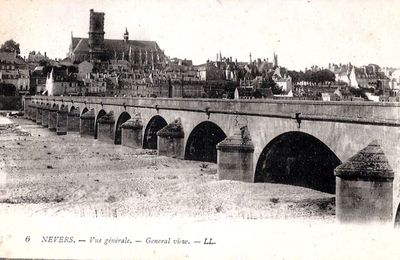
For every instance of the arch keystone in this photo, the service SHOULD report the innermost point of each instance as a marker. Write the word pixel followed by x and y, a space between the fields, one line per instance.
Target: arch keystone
pixel 235 156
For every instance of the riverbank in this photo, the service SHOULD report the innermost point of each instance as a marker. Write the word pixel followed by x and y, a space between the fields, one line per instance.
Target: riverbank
pixel 50 175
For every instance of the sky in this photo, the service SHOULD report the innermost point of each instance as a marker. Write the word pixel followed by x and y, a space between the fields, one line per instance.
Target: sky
pixel 303 33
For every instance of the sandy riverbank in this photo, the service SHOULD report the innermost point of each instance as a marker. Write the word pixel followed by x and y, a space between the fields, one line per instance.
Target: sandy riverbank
pixel 46 174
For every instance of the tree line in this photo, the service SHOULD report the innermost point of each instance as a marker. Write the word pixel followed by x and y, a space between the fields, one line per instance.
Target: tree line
pixel 318 77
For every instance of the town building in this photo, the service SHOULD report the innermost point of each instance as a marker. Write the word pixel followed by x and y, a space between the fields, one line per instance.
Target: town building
pixel 95 84
pixel 38 80
pixel 63 80
pixel 14 70
pixel 369 76
pixel 209 71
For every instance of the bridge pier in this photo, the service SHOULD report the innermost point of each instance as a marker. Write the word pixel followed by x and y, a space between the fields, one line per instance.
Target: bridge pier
pixel 364 187
pixel 87 124
pixel 132 131
pixel 73 121
pixel 105 129
pixel 62 120
pixel 235 156
pixel 39 114
pixel 28 109
pixel 45 115
pixel 33 112
pixel 170 140
pixel 52 118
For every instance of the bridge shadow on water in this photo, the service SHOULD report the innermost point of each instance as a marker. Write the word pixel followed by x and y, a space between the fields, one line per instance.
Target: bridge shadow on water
pixel 297 158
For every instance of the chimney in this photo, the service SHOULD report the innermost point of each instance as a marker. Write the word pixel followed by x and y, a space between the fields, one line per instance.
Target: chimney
pixel 45 54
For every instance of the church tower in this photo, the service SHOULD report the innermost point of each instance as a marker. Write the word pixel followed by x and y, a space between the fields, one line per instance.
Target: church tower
pixel 126 35
pixel 96 35
pixel 275 61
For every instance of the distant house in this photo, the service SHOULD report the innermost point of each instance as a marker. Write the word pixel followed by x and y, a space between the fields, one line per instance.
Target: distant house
pixel 36 57
pixel 285 83
pixel 368 76
pixel 84 68
pixel 209 71
pixel 94 84
pixel 14 70
pixel 38 80
pixel 330 97
pixel 394 81
pixel 62 80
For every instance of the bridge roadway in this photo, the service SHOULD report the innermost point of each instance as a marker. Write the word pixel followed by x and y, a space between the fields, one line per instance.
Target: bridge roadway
pixel 288 135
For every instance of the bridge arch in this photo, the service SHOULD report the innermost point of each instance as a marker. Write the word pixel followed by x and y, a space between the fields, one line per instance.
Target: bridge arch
pixel 300 159
pixel 100 114
pixel 202 141
pixel 73 108
pixel 85 109
pixel 150 134
pixel 124 116
pixel 397 217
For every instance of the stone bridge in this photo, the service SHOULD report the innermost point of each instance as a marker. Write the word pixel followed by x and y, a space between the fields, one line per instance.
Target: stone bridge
pixel 281 141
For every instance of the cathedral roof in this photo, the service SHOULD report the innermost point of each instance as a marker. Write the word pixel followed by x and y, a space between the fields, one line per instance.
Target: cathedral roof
pixel 80 44
pixel 114 45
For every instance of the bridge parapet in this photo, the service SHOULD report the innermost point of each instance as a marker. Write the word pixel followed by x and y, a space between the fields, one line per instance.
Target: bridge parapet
pixel 378 113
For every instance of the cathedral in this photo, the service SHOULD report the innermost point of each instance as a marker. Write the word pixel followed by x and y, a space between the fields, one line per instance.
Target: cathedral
pixel 141 54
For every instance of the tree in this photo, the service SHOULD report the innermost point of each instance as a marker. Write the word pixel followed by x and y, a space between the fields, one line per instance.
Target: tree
pixel 270 83
pixel 358 92
pixel 7 89
pixel 10 46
